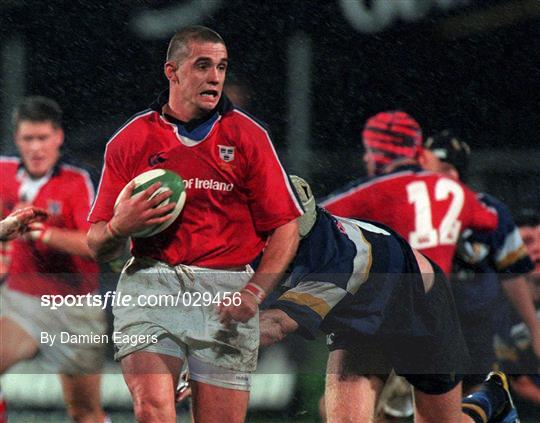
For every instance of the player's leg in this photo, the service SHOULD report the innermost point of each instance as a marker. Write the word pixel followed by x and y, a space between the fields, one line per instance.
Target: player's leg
pixel 350 395
pixel 438 408
pixel 82 398
pixel 16 344
pixel 218 394
pixel 436 364
pixel 492 402
pixel 215 404
pixel 152 379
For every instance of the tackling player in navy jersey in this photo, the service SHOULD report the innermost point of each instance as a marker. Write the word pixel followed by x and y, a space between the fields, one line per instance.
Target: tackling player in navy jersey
pixel 486 266
pixel 383 305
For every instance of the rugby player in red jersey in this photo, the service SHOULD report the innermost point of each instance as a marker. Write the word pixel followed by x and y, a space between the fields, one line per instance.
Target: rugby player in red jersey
pixel 51 258
pixel 428 209
pixel 239 201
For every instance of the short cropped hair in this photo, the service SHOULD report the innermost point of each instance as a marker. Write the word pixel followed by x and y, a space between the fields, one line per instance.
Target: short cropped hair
pixel 38 109
pixel 178 46
pixel 527 217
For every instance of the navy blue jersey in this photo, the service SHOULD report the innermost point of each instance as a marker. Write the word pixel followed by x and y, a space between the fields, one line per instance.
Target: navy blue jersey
pixel 483 258
pixel 347 276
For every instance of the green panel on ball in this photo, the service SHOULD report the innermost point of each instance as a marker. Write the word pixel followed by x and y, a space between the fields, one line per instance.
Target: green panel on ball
pixel 168 180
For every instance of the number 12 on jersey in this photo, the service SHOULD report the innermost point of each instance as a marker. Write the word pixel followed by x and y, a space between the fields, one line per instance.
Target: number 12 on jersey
pixel 425 235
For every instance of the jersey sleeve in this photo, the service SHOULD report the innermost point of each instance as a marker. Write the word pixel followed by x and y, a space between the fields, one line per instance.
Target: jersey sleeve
pixel 114 177
pixel 81 198
pixel 481 217
pixel 308 304
pixel 272 200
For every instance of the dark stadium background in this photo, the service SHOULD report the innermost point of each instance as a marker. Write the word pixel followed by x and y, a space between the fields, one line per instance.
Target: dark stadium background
pixel 469 65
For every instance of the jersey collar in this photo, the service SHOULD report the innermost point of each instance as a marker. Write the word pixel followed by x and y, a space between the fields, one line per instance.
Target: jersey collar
pixel 401 166
pixel 196 129
pixel 55 170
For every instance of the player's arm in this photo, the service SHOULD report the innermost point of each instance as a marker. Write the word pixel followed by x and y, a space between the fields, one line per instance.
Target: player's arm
pixel 519 295
pixel 274 325
pixel 105 244
pixel 67 241
pixel 278 254
pixel 30 223
pixel 132 214
pixel 483 218
pixel 17 222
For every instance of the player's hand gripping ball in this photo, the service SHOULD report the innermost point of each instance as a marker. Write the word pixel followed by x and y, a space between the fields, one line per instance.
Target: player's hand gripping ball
pixel 169 181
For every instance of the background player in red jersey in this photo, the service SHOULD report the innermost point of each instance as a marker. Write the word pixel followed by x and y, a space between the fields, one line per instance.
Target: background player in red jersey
pixel 51 258
pixel 196 132
pixel 429 210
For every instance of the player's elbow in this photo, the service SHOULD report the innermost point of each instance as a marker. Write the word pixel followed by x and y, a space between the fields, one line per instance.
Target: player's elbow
pixel 96 253
pixel 101 254
pixel 291 232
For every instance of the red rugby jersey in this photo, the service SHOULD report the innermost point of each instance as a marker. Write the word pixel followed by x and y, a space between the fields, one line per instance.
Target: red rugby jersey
pixel 37 269
pixel 237 190
pixel 427 209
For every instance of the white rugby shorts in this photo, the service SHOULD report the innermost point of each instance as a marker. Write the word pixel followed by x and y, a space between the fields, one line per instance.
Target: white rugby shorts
pixel 183 325
pixel 67 323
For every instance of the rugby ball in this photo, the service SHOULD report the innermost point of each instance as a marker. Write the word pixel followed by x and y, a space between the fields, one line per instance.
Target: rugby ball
pixel 169 180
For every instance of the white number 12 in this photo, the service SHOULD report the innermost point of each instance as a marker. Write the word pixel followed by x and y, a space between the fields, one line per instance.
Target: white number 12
pixel 425 235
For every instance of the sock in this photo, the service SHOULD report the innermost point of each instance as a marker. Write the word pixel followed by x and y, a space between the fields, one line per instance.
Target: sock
pixel 485 403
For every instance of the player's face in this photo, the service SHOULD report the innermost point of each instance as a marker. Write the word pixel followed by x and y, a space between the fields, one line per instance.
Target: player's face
pixel 531 239
pixel 39 145
pixel 199 78
pixel 429 161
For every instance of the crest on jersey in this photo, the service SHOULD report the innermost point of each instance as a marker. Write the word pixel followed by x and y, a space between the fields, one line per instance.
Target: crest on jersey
pixel 54 207
pixel 226 153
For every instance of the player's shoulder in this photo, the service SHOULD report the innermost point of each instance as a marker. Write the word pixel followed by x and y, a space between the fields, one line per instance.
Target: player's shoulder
pixel 9 163
pixel 138 124
pixel 74 173
pixel 493 202
pixel 240 121
pixel 74 170
pixel 428 175
pixel 348 189
pixel 503 212
pixel 392 180
pixel 434 178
